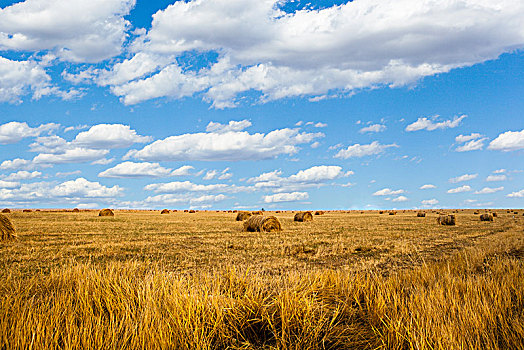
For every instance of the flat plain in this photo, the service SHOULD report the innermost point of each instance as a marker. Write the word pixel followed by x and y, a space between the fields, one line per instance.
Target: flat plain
pixel 348 279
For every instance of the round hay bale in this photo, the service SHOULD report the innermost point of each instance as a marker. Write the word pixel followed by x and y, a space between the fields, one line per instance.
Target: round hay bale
pixel 260 223
pixel 76 210
pixel 164 211
pixel 7 231
pixel 303 216
pixel 26 211
pixel 258 212
pixel 106 212
pixel 192 211
pixel 421 215
pixel 6 211
pixel 319 212
pixel 381 212
pixel 243 215
pixel 185 210
pixel 486 217
pixel 446 220
pixel 495 215
pixel 392 213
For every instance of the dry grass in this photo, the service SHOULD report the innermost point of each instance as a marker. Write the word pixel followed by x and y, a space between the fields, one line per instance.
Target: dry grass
pixel 143 280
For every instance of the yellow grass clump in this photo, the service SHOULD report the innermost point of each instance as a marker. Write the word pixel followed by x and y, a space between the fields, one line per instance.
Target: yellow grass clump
pixel 303 216
pixel 7 231
pixel 446 220
pixel 486 217
pixel 259 223
pixel 106 212
pixel 164 211
pixel 243 215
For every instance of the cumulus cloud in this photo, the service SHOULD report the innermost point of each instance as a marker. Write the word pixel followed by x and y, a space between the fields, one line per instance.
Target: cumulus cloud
pixel 400 199
pixel 465 138
pixel 184 170
pixel 508 141
pixel 74 30
pixel 487 190
pixel 518 194
pixel 13 132
pixel 22 175
pixel 173 199
pixel 106 136
pixel 388 192
pixel 231 126
pixel 373 128
pixel 431 123
pixel 465 177
pixel 358 150
pixel 73 155
pixel 86 189
pixel 225 146
pixel 16 164
pixel 427 187
pixel 473 145
pixel 492 178
pixel 429 202
pixel 286 197
pixel 135 170
pixel 461 189
pixel 184 186
pixel 9 184
pixel 311 52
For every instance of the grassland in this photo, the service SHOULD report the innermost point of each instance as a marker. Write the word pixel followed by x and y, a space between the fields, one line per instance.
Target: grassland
pixel 196 281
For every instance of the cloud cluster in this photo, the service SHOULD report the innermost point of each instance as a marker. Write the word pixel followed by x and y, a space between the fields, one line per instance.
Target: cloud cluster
pixel 508 141
pixel 358 150
pixel 430 124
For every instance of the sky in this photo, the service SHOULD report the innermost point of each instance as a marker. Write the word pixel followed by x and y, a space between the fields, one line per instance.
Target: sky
pixel 249 104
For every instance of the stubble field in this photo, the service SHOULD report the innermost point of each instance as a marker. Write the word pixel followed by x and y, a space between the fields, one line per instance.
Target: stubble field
pixel 345 280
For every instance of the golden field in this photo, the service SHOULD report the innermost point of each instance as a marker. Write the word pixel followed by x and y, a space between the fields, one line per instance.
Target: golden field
pixel 142 280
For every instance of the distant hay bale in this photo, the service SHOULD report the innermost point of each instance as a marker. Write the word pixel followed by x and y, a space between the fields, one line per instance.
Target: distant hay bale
pixel 486 217
pixel 235 211
pixel 392 213
pixel 26 211
pixel 446 220
pixel 476 213
pixel 76 210
pixel 319 212
pixel 421 215
pixel 494 215
pixel 185 210
pixel 192 211
pixel 260 223
pixel 258 212
pixel 164 211
pixel 277 212
pixel 6 211
pixel 381 212
pixel 243 215
pixel 106 212
pixel 303 216
pixel 7 231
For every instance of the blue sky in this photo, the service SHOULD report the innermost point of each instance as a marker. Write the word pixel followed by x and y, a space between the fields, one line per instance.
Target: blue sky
pixel 219 104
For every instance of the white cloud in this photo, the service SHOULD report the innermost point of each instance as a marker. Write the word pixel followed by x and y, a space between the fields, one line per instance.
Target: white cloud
pixel 315 144
pixel 461 189
pixel 210 175
pixel 104 136
pixel 16 164
pixel 9 184
pixel 400 199
pixel 429 202
pixel 427 187
pixel 265 177
pixel 358 150
pixel 227 146
pixel 320 125
pixel 499 171
pixel 231 126
pixel 487 190
pixel 135 170
pixel 465 138
pixel 173 199
pixel 183 171
pixel 85 189
pixel 472 145
pixel 74 155
pixel 225 174
pixel 286 197
pixel 508 141
pixel 13 132
pixel 492 178
pixel 184 186
pixel 518 194
pixel 75 30
pixel 22 175
pixel 465 177
pixel 431 124
pixel 103 161
pixel 388 192
pixel 373 128
pixel 311 52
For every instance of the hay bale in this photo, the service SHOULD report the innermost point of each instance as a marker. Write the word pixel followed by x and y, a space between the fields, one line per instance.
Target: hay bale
pixel 26 211
pixel 258 212
pixel 260 223
pixel 392 213
pixel 486 217
pixel 381 212
pixel 164 211
pixel 185 210
pixel 106 212
pixel 243 215
pixel 76 210
pixel 6 211
pixel 303 216
pixel 495 215
pixel 319 212
pixel 421 215
pixel 446 220
pixel 192 211
pixel 7 231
